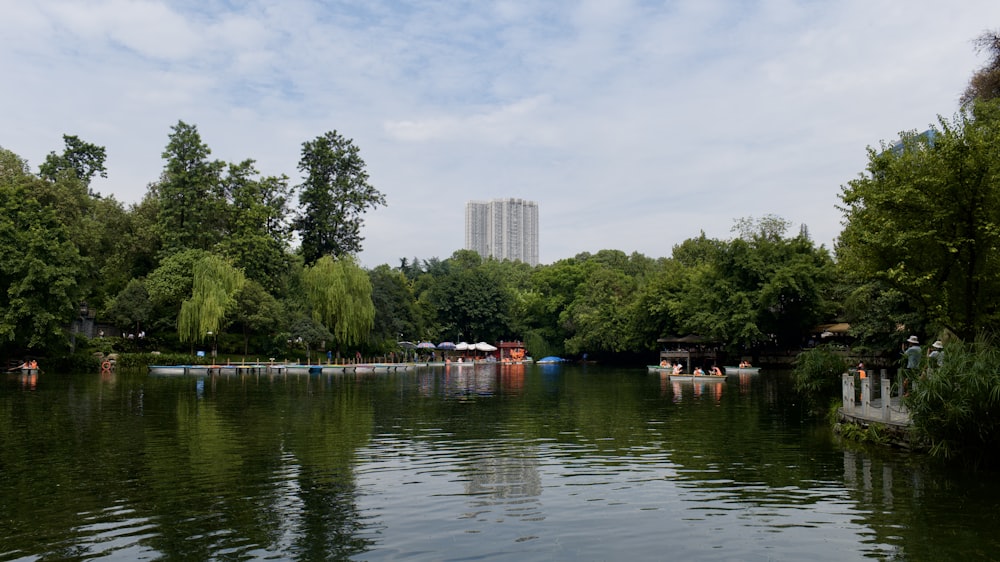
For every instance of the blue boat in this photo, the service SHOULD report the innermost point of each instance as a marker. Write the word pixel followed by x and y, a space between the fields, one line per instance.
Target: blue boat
pixel 549 360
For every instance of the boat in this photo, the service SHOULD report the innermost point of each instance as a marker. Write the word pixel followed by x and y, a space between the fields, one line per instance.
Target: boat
pixel 659 369
pixel 549 360
pixel 168 369
pixel 460 364
pixel 736 370
pixel 29 370
pixel 698 378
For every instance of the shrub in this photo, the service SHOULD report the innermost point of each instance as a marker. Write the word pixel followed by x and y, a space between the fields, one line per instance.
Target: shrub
pixel 954 406
pixel 817 371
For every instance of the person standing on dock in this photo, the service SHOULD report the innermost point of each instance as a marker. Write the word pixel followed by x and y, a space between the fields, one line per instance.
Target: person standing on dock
pixel 936 354
pixel 911 354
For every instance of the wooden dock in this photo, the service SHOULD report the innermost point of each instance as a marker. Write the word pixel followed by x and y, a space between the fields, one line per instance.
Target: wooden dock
pixel 278 369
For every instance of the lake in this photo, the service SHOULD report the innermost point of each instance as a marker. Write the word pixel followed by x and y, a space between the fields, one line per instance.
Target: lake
pixel 538 462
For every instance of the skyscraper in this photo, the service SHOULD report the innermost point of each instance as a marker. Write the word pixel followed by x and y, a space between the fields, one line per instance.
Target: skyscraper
pixel 506 229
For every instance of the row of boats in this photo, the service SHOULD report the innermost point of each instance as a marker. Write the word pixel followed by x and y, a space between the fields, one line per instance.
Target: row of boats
pixel 726 371
pixel 293 369
pixel 286 369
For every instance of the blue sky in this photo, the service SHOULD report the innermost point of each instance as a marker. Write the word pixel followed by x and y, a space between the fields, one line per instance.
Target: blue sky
pixel 634 124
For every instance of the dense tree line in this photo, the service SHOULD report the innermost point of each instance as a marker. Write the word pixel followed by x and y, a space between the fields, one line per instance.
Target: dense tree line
pixel 207 256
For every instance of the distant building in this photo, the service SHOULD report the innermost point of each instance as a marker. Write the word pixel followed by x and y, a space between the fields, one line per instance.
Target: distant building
pixel 506 229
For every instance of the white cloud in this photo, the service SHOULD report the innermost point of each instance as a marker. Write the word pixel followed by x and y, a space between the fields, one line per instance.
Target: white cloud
pixel 635 125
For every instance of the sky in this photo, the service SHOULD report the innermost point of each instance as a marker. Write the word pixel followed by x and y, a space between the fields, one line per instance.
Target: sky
pixel 634 125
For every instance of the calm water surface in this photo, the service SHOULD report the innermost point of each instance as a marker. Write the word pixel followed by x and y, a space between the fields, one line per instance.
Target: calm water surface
pixel 491 463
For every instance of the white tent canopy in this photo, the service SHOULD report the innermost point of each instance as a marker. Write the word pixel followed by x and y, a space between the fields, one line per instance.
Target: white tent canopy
pixel 483 346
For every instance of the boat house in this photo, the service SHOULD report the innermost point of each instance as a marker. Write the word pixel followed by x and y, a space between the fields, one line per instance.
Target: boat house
pixel 689 350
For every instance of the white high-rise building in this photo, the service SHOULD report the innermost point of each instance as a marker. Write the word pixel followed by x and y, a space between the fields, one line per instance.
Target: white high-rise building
pixel 506 229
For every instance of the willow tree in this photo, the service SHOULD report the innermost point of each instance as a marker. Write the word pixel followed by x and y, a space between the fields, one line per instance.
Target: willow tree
pixel 339 293
pixel 213 293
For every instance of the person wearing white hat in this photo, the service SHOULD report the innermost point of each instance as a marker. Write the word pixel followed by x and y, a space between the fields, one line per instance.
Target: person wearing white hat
pixel 937 352
pixel 912 353
pixel 912 356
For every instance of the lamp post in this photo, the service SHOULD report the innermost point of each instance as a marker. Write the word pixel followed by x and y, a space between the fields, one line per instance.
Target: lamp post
pixel 211 336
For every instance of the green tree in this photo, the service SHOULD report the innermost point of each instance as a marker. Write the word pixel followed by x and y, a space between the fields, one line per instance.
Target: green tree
pixel 598 316
pixel 339 294
pixel 257 313
pixel 131 309
pixel 758 289
pixel 189 193
pixel 169 285
pixel 215 285
pixel 81 159
pixel 923 222
pixel 471 302
pixel 40 264
pixel 256 233
pixel 395 312
pixel 333 196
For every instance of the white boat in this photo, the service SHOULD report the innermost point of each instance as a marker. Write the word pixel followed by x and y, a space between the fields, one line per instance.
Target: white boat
pixel 698 378
pixel 168 369
pixel 736 370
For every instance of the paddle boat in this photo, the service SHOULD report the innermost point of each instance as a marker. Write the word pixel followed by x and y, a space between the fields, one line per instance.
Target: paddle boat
pixel 162 370
pixel 550 360
pixel 742 370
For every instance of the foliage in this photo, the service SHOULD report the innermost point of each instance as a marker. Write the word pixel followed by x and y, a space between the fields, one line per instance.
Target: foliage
pixel 256 313
pixel 395 309
pixel 339 294
pixel 817 371
pixel 213 296
pixel 874 433
pixel 954 406
pixel 923 222
pixel 470 299
pixel 334 195
pixel 39 264
pixel 256 234
pixel 143 360
pixel 985 82
pixel 132 308
pixel 761 289
pixel 81 159
pixel 189 193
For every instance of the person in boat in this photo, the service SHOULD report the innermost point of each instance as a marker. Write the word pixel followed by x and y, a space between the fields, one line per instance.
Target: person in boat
pixel 677 368
pixel 698 372
pixel 716 371
pixel 664 364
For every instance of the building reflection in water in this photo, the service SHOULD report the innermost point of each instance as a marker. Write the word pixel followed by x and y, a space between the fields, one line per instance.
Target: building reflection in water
pixel 512 378
pixel 510 479
pixel 470 379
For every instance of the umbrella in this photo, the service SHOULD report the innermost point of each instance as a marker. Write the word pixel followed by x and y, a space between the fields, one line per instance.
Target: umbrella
pixel 483 346
pixel 407 345
pixel 425 345
pixel 446 345
pixel 462 346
